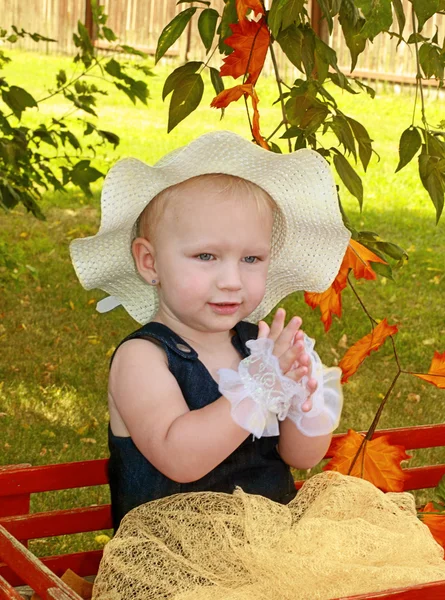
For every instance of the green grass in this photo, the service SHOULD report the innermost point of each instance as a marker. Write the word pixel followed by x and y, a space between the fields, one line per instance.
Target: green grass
pixel 55 347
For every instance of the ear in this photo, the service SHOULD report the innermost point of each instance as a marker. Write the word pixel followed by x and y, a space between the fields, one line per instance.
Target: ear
pixel 144 258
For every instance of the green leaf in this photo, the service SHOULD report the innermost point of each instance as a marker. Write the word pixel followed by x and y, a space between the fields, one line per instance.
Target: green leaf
pixel 175 78
pixel 378 14
pixel 325 57
pixel 113 68
pixel 111 137
pixel 18 100
pixel 275 148
pixel 207 26
pixel 46 136
pixel 185 99
pixel 392 250
pixel 424 10
pixel 351 26
pixel 291 43
pixel 61 78
pixel 416 37
pixel 216 79
pixel 431 60
pixel 172 31
pixel 343 131
pixel 369 90
pixel 109 34
pixel 308 51
pixel 410 142
pixel 82 175
pixel 432 177
pixel 313 118
pixel 284 13
pixel 382 270
pixel 342 82
pixel 363 140
pixel 400 14
pixel 229 16
pixel 349 177
pixel 131 50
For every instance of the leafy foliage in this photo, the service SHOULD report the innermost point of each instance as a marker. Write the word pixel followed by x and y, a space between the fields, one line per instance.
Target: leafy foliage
pixel 51 155
pixel 242 34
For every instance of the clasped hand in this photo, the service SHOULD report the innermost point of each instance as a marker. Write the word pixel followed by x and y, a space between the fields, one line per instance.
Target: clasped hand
pixel 289 349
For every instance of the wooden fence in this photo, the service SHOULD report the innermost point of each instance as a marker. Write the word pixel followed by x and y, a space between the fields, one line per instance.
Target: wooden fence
pixel 139 23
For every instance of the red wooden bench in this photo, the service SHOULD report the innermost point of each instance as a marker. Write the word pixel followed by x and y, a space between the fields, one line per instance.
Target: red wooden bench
pixel 18 566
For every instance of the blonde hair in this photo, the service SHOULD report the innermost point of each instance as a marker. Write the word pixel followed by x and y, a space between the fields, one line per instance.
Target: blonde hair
pixel 151 215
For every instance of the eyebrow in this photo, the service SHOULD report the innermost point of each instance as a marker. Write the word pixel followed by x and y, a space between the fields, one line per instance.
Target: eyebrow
pixel 211 247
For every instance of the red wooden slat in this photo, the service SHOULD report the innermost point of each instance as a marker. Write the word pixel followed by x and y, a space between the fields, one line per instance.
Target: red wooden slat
pixel 30 569
pixel 53 477
pixel 82 563
pixel 424 477
pixel 425 591
pixel 58 522
pixel 17 504
pixel 7 591
pixel 14 505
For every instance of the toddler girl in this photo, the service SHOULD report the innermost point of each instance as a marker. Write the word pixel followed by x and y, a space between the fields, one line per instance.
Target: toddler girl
pixel 198 249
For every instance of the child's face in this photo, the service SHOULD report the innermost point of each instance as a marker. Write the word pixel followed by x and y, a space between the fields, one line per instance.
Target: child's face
pixel 210 248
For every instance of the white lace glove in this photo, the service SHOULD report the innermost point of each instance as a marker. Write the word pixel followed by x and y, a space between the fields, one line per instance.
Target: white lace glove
pixel 259 394
pixel 327 400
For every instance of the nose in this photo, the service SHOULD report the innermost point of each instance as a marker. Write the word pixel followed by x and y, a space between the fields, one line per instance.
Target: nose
pixel 229 276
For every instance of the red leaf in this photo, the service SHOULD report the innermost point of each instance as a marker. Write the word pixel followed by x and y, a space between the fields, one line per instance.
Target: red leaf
pixel 225 97
pixel 435 523
pixel 242 6
pixel 250 41
pixel 379 461
pixel 436 374
pixel 363 348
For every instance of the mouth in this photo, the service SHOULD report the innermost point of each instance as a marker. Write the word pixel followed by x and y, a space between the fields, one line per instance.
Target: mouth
pixel 225 308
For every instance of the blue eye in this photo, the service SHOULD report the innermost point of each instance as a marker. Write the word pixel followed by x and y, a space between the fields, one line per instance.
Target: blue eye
pixel 206 255
pixel 251 262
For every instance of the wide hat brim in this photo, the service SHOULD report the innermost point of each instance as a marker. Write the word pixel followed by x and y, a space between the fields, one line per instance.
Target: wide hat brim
pixel 308 242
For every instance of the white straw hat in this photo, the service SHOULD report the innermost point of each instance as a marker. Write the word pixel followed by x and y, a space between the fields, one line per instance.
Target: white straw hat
pixel 309 238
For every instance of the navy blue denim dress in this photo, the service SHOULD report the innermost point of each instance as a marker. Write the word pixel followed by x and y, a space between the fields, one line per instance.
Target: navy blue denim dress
pixel 255 465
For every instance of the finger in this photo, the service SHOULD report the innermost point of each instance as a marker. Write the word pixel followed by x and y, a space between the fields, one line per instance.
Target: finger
pixel 287 359
pixel 263 330
pixel 286 337
pixel 307 405
pixel 277 324
pixel 312 385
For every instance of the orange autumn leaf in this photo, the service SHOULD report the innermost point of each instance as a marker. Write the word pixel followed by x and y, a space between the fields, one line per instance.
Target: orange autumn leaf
pixel 329 303
pixel 224 98
pixel 242 6
pixel 358 257
pixel 379 461
pixel 357 353
pixel 250 41
pixel 435 523
pixel 436 374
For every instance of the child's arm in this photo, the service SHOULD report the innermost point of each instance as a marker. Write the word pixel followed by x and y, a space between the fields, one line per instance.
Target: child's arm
pixel 295 448
pixel 184 445
pixel 298 450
